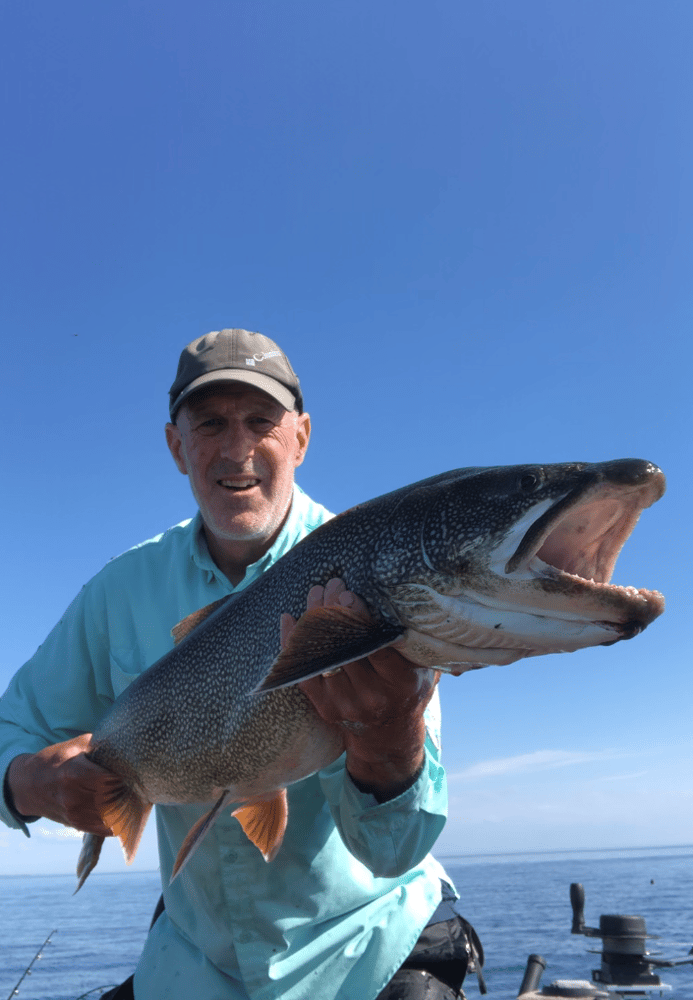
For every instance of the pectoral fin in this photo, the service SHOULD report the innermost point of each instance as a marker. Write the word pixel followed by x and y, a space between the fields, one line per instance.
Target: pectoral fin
pixel 264 823
pixel 324 639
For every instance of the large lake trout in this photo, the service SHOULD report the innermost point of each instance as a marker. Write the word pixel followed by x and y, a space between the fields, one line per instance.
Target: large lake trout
pixel 469 568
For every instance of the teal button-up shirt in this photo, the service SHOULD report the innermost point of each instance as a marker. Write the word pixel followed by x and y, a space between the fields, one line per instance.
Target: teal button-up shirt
pixel 339 909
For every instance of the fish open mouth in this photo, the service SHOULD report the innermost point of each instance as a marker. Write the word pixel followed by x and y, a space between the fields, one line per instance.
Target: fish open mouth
pixel 576 542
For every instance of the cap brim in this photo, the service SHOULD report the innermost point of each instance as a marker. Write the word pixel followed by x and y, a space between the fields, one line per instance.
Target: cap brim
pixel 257 380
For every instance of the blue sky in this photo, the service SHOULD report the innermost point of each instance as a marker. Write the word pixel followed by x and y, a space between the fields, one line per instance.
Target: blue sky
pixel 468 224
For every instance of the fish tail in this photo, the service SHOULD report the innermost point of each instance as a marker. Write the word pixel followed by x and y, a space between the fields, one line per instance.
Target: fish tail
pixel 126 813
pixel 88 857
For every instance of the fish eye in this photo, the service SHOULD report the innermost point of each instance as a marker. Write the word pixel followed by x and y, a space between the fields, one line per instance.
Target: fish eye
pixel 528 482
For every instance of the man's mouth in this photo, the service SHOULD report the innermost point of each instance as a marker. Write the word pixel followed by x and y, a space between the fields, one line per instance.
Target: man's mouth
pixel 239 483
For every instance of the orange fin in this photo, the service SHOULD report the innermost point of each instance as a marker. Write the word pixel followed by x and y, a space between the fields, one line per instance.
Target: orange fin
pixel 88 857
pixel 264 823
pixel 126 813
pixel 194 838
pixel 326 638
pixel 190 623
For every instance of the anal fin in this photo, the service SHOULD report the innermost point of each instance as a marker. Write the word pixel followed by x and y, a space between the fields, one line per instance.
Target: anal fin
pixel 264 823
pixel 326 638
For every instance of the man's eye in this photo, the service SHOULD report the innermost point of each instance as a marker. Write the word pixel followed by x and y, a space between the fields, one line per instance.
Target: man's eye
pixel 210 424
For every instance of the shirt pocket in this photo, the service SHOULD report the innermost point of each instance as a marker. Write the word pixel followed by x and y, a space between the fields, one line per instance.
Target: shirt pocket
pixel 126 665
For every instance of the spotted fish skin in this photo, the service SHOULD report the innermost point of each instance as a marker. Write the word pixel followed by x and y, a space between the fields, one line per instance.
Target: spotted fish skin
pixel 471 567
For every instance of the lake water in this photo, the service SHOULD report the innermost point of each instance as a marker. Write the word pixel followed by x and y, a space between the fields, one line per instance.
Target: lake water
pixel 518 903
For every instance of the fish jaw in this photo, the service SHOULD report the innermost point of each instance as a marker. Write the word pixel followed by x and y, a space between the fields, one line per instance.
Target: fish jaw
pixel 544 587
pixel 569 553
pixel 470 634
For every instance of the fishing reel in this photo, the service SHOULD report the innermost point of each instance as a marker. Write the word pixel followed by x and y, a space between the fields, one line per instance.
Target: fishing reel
pixel 627 968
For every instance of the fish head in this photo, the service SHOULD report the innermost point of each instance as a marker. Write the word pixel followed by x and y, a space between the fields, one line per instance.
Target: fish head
pixel 517 561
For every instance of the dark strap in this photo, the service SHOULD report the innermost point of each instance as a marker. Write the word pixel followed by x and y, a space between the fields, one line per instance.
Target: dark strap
pixel 443 949
pixel 122 992
pixel 418 984
pixel 158 910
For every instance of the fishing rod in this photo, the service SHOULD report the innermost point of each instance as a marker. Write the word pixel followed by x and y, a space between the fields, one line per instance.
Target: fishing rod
pixel 27 971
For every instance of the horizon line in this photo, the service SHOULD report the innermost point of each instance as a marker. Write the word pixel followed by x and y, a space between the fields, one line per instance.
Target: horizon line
pixel 439 856
pixel 565 850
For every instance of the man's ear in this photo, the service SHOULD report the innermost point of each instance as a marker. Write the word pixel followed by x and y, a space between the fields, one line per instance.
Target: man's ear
pixel 175 446
pixel 302 437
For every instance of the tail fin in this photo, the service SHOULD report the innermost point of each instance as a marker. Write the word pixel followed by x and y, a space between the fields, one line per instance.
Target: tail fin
pixel 88 857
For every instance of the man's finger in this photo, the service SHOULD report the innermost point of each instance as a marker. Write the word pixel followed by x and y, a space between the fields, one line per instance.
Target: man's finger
pixel 286 626
pixel 333 589
pixel 316 598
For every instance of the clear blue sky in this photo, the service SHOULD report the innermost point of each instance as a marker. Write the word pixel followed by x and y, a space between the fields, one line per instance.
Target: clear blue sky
pixel 469 225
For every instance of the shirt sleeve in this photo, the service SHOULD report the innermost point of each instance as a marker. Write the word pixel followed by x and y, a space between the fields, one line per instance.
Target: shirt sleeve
pixel 392 837
pixel 61 692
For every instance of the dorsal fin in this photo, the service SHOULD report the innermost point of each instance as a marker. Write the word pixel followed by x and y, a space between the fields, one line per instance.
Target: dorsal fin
pixel 190 622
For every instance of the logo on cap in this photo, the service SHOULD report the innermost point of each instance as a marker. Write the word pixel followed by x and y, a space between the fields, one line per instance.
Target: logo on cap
pixel 256 358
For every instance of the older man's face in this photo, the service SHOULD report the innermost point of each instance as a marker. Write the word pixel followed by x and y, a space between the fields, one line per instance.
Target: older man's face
pixel 240 448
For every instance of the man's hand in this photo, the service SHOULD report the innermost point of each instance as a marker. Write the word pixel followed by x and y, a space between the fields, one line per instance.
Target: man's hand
pixel 61 784
pixel 378 702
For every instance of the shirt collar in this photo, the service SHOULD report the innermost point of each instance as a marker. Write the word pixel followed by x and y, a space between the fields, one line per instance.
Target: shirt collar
pixel 286 539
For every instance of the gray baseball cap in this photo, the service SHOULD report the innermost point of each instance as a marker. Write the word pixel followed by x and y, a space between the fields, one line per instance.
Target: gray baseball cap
pixel 236 356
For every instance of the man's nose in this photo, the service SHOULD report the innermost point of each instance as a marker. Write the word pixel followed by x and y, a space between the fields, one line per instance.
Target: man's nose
pixel 238 442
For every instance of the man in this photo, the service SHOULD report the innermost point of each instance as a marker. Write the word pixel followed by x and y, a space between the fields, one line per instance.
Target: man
pixel 342 905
